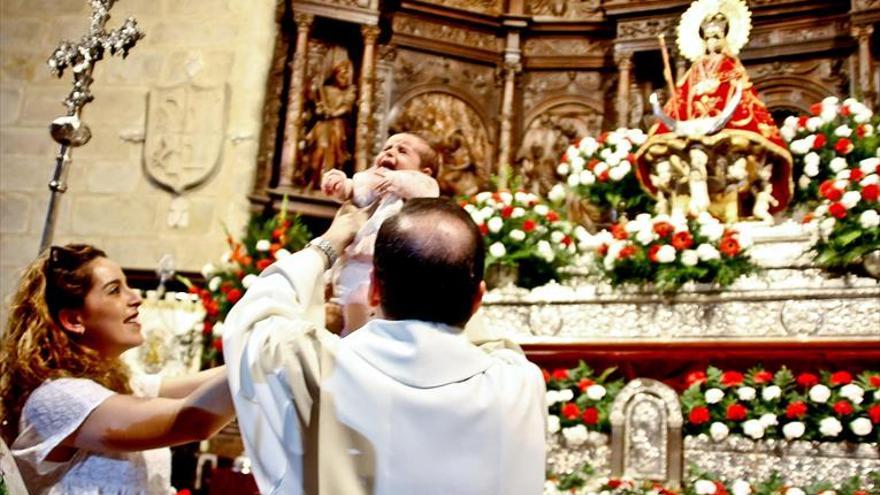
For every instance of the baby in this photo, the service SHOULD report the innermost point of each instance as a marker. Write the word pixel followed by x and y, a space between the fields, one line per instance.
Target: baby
pixel 404 169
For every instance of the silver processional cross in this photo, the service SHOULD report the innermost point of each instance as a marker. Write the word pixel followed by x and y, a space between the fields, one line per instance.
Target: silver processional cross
pixel 69 131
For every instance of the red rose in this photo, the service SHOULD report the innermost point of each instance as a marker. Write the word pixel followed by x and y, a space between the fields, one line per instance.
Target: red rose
pixel 731 378
pixel 484 229
pixel 682 240
pixel 861 130
pixel 796 410
pixel 699 415
pixel 603 177
pixel 816 109
pixel 855 174
pixel 585 383
pixel 833 194
pixel 652 252
pixel 736 412
pixel 263 264
pixel 592 164
pixel 870 192
pixel 207 328
pixel 843 146
pixel 802 121
pixel 663 229
pixel 233 295
pixel 506 212
pixel 837 210
pixel 807 380
pixel 695 377
pixel 496 196
pixel 603 250
pixel 218 345
pixel 874 381
pixel 763 376
pixel 614 483
pixel 212 308
pixel 602 137
pixel 546 375
pixel 843 408
pixel 826 188
pixel 570 410
pixel 819 142
pixel 226 287
pixel 590 416
pixel 529 225
pixel 626 252
pixel 841 378
pixel 729 246
pixel 566 241
pixel 874 413
pixel 619 232
pixel 560 374
pixel 552 216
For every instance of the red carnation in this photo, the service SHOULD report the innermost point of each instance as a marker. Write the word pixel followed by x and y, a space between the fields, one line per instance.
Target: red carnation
pixel 816 109
pixel 837 210
pixel 602 137
pixel 807 380
pixel 682 240
pixel 626 252
pixel 802 121
pixel 695 377
pixel 874 381
pixel 529 225
pixel 736 412
pixel 841 378
pixel 590 416
pixel 218 345
pixel 796 410
pixel 874 413
pixel 861 130
pixel 845 111
pixel 585 383
pixel 263 264
pixel 663 229
pixel 819 142
pixel 826 189
pixel 843 146
pixel 592 164
pixel 566 241
pixel 619 232
pixel 729 246
pixel 226 287
pixel 614 483
pixel 870 192
pixel 207 327
pixel 699 415
pixel 855 174
pixel 560 374
pixel 603 177
pixel 506 212
pixel 484 229
pixel 496 196
pixel 564 158
pixel 761 377
pixel 602 250
pixel 652 252
pixel 233 296
pixel 570 410
pixel 843 408
pixel 212 308
pixel 731 378
pixel 552 216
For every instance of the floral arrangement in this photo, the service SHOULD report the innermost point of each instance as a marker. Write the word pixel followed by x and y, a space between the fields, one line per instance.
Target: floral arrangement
pixel 579 401
pixel 521 230
pixel 668 251
pixel 760 404
pixel 266 239
pixel 835 138
pixel 601 170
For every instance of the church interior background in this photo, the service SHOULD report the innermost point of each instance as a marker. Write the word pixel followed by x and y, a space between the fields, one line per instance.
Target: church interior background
pixel 228 108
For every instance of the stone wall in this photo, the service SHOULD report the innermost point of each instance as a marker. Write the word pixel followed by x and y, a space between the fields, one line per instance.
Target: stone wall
pixel 111 202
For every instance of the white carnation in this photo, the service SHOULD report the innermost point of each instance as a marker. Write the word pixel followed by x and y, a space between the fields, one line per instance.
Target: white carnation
pixel 518 212
pixel 483 196
pixel 871 179
pixel 645 236
pixel 506 197
pixel 217 331
pixel 214 284
pixel 617 173
pixel 587 178
pixel 843 131
pixel 588 146
pixel 557 193
pixel 830 427
pixel 768 419
pixel 869 219
pixel 811 164
pixel 566 395
pixel 552 423
pixel 600 167
pixel 788 133
pixel 577 165
pixel 753 429
pixel 814 123
pixel 666 254
pixel 714 395
pixel 708 252
pixel 746 393
pixel 772 392
pixel 563 169
pixel 263 245
pixel 800 146
pixel 712 231
pixel 869 165
pixel 861 426
pixel 837 164
pixel 820 393
pixel 542 210
pixel 571 153
pixel 517 235
pixel 497 250
pixel 704 487
pixel 804 182
pixel 575 435
pixel 718 431
pixel 689 257
pixel 826 226
pixel 495 224
pixel 546 251
pixel 595 391
pixel 793 430
pixel 850 199
pixel 852 392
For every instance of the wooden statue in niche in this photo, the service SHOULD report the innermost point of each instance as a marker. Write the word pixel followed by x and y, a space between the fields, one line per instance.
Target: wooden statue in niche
pixel 332 95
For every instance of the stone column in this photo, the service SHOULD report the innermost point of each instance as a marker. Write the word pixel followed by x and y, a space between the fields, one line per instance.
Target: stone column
pixel 293 122
pixel 624 66
pixel 506 132
pixel 865 64
pixel 363 136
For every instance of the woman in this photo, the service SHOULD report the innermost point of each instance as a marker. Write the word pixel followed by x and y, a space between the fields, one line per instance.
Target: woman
pixel 76 422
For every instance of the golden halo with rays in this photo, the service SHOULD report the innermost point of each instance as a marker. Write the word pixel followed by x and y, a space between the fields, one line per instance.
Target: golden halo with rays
pixel 739 19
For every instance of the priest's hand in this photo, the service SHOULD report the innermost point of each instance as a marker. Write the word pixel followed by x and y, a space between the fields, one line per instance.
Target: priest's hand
pixel 348 220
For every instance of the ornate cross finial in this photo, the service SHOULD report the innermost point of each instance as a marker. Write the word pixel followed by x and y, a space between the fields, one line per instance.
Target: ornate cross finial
pixel 81 57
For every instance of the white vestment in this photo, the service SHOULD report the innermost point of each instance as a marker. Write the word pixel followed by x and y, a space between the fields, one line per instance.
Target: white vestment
pixel 397 407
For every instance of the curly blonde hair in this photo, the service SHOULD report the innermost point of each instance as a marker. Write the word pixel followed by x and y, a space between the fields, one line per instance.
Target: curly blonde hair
pixel 34 346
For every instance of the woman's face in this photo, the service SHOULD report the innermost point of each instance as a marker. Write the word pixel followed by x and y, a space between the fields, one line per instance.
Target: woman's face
pixel 109 315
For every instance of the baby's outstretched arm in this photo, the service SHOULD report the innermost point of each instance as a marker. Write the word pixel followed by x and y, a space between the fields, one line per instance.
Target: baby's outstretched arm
pixel 407 184
pixel 335 184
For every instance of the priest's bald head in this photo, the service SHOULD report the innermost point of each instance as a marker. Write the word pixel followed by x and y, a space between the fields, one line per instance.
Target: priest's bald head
pixel 428 264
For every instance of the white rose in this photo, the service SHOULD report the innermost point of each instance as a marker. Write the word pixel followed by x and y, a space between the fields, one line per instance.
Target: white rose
pixel 714 395
pixel 571 153
pixel 587 178
pixel 612 160
pixel 793 430
pixel 518 212
pixel 497 250
pixel 746 393
pixel 572 180
pixel 850 199
pixel 871 179
pixel 788 133
pixel 263 245
pixel 557 236
pixel 588 145
pixel 804 182
pixel 208 270
pixel 837 164
pixel 800 146
pixel 214 284
pixel 843 131
pixel 704 487
pixel 811 164
pixel 281 254
pixel 707 252
pixel 843 174
pixel 487 212
pixel 542 210
pixel 517 235
pixel 852 392
pixel 551 397
pixel 820 393
pixel 666 254
pixel 595 391
pixel 753 429
pixel 814 123
pixel 495 224
pixel 645 236
pixel 506 197
pixel 718 431
pixel 869 219
pixel 740 487
pixel 869 165
pixel 617 173
pixel 712 231
pixel 566 395
pixel 563 169
pixel 600 167
pixel 557 193
pixel 794 491
pixel 689 257
pixel 248 280
pixel 483 196
pixel 217 331
pixel 861 426
pixel 552 424
pixel 575 435
pixel 546 251
pixel 772 392
pixel 521 197
pixel 577 165
pixel 768 419
pixel 830 427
